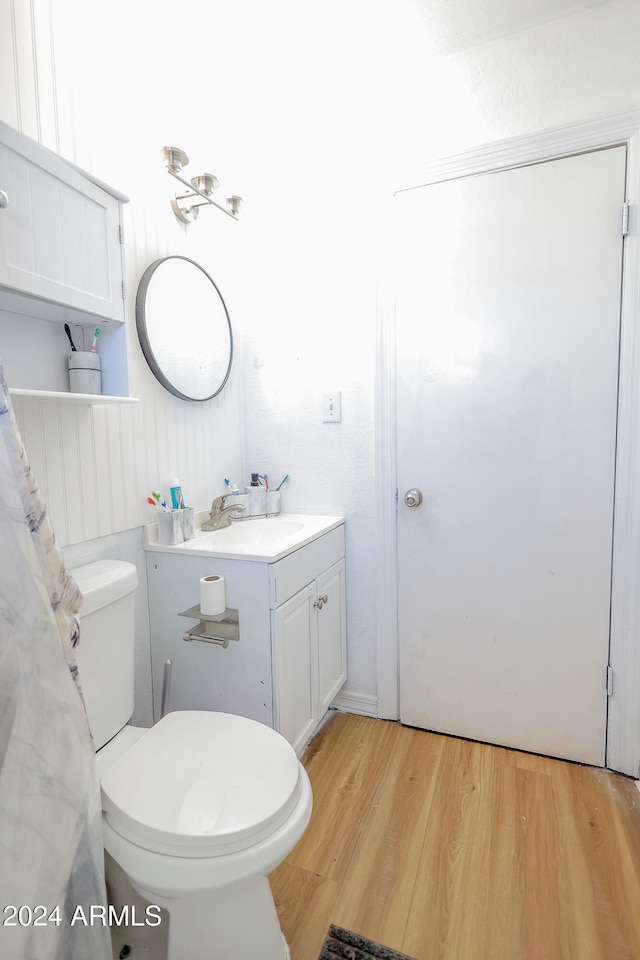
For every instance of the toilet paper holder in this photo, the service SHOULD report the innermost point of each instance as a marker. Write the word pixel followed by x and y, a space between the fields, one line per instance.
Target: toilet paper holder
pixel 227 626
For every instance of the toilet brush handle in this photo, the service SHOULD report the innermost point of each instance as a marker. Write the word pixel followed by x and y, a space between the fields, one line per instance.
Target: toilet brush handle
pixel 166 687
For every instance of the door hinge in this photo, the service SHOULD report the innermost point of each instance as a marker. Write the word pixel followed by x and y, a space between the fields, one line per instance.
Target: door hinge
pixel 124 291
pixel 120 233
pixel 625 218
pixel 609 681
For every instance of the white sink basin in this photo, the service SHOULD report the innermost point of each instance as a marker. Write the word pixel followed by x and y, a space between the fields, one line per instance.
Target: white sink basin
pixel 265 539
pixel 262 530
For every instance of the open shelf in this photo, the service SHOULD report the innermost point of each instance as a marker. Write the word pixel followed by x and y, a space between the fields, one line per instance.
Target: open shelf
pixel 69 397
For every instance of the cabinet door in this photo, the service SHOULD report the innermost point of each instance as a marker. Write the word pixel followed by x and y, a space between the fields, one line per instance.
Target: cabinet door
pixel 332 635
pixel 59 235
pixel 294 637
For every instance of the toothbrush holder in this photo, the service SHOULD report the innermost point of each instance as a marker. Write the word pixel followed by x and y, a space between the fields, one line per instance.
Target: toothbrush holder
pixel 176 526
pixel 170 527
pixel 85 374
pixel 273 502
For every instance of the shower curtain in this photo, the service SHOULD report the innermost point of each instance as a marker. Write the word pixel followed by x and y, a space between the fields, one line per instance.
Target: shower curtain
pixel 52 888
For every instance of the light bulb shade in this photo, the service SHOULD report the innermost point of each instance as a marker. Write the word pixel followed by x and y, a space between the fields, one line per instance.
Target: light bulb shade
pixel 206 183
pixel 234 204
pixel 175 159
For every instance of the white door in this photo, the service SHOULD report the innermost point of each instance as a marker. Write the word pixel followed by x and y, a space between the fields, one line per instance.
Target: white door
pixel 508 317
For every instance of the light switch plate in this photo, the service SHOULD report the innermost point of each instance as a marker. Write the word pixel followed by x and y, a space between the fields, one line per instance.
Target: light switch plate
pixel 332 407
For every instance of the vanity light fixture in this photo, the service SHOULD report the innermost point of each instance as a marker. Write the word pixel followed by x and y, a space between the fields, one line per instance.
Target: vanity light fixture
pixel 201 187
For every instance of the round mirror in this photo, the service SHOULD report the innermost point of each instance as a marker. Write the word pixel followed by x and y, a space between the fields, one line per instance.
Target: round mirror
pixel 184 328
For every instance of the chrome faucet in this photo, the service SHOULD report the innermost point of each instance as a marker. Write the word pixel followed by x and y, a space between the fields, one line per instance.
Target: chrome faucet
pixel 221 514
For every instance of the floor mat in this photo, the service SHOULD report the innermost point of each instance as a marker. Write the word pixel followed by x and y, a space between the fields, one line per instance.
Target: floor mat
pixel 341 944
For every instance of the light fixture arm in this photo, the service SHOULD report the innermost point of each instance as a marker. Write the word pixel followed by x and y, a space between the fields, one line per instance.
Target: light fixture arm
pixel 175 159
pixel 194 192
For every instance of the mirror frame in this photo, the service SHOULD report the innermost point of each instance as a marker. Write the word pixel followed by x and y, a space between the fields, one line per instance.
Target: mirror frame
pixel 143 336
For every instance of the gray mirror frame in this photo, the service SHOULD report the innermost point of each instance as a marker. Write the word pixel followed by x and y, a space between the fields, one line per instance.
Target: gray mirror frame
pixel 141 326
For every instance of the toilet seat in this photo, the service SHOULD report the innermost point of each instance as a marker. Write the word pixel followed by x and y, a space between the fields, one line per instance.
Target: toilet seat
pixel 202 784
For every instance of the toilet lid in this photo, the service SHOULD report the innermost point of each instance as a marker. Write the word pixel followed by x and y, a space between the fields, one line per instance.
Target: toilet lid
pixel 202 784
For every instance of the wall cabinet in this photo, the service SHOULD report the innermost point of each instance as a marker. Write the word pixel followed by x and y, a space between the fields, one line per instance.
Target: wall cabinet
pixel 61 262
pixel 290 660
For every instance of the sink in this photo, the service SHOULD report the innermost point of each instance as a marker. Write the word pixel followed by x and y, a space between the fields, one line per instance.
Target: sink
pixel 264 539
pixel 263 530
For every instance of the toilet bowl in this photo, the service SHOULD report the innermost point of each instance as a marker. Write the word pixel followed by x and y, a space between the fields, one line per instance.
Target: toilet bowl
pixel 197 810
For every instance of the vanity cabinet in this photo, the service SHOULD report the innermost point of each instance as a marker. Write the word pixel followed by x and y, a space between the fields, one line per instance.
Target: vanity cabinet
pixel 309 654
pixel 290 660
pixel 61 262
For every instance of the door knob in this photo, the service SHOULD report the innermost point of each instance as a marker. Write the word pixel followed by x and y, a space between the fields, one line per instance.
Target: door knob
pixel 413 498
pixel 4 200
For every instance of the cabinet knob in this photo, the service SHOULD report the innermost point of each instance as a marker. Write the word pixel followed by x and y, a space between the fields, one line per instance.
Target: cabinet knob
pixel 320 602
pixel 4 200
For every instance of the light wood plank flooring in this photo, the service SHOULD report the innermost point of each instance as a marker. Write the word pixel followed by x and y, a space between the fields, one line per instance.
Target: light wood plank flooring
pixel 450 850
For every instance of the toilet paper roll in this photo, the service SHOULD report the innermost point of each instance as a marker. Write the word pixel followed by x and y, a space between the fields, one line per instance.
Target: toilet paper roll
pixel 212 596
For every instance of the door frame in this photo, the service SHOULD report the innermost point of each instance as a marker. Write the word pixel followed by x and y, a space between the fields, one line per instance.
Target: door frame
pixel 623 725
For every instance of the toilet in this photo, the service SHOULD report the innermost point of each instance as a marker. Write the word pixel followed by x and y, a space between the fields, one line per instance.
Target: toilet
pixel 198 809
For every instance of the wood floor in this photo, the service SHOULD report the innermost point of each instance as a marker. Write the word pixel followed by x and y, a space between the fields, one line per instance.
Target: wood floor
pixel 450 850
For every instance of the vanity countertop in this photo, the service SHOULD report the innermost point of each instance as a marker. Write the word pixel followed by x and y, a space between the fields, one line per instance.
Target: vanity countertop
pixel 264 539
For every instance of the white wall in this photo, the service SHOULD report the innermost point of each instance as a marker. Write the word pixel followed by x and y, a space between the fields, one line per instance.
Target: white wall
pixel 309 113
pixel 575 68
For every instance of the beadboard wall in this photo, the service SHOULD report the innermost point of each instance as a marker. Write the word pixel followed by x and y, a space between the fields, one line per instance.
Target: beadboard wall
pixel 96 464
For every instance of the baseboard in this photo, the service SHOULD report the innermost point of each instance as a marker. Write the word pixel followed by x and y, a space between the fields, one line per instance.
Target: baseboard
pixel 361 703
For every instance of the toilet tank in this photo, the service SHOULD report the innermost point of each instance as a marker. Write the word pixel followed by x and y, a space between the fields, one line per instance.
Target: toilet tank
pixel 106 648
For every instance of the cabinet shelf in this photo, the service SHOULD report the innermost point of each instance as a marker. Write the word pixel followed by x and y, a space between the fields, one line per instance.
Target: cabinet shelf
pixel 88 398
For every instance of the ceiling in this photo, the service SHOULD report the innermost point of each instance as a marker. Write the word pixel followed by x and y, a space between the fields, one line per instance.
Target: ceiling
pixel 456 25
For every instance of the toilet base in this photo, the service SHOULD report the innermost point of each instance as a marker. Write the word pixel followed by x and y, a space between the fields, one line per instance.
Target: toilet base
pixel 239 922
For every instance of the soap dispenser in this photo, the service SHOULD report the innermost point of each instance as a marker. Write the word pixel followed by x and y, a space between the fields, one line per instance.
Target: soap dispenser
pixel 257 498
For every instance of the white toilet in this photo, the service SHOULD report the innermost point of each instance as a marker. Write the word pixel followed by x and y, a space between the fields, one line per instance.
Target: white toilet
pixel 197 810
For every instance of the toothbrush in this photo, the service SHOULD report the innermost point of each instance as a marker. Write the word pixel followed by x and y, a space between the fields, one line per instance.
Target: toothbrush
pixel 68 333
pixel 283 482
pixel 96 334
pixel 154 503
